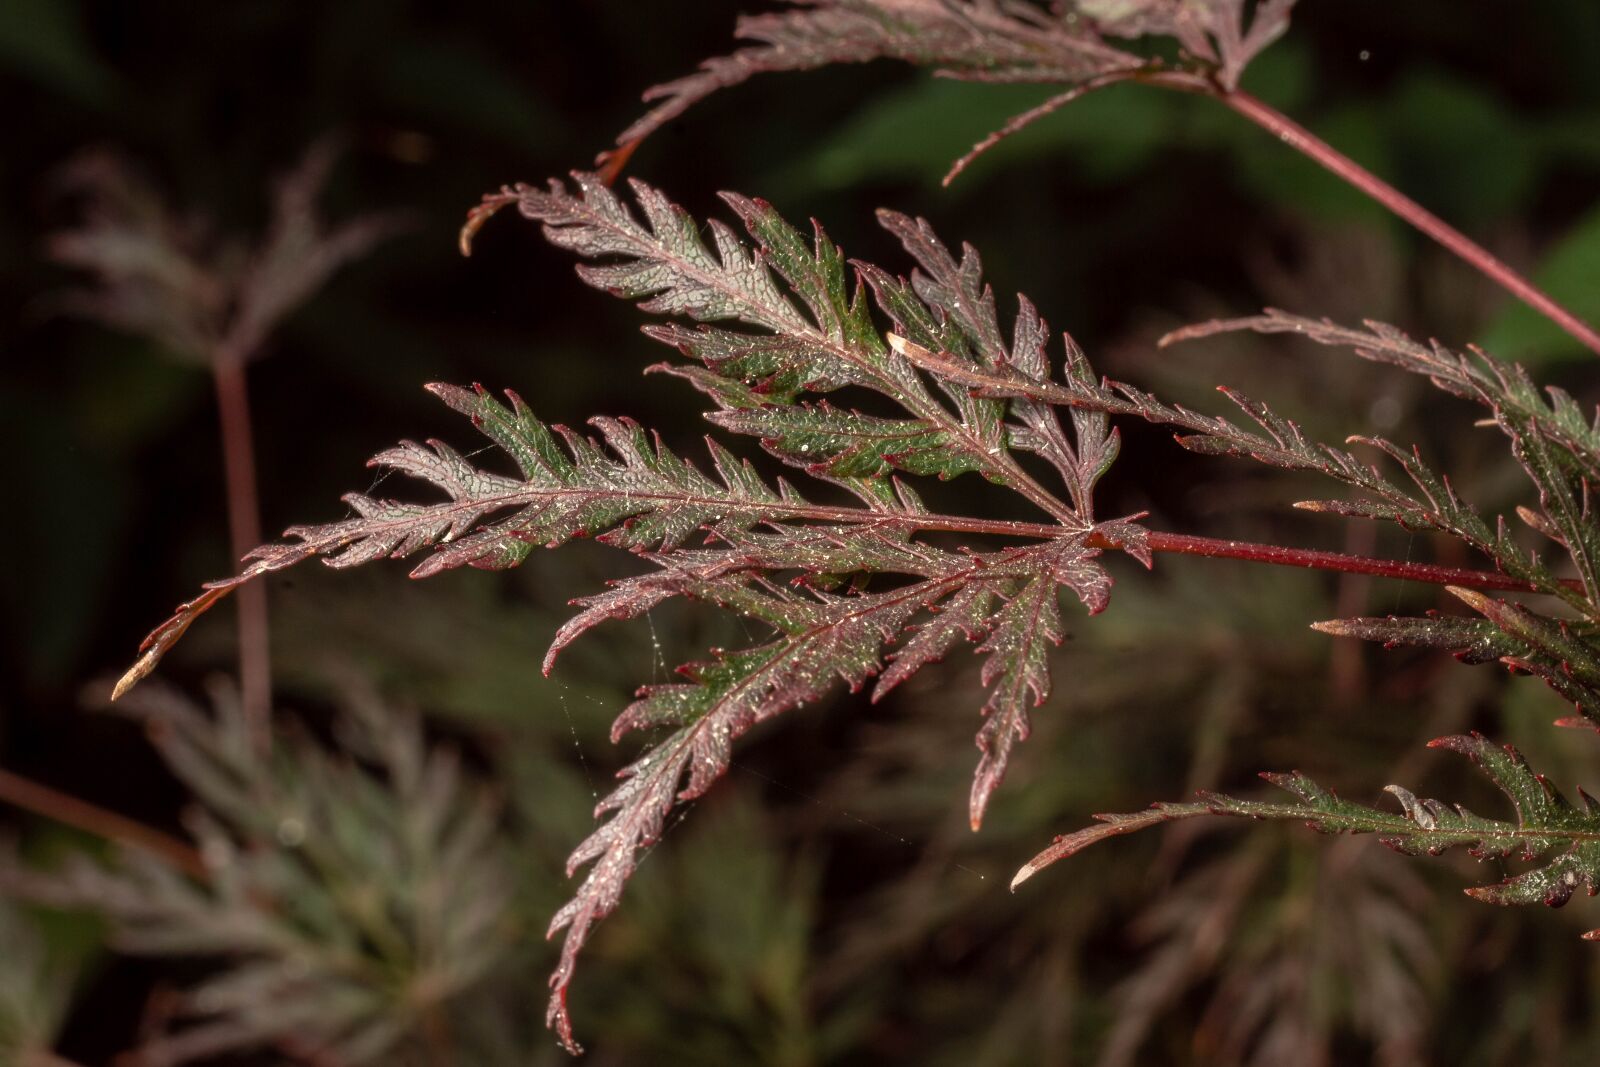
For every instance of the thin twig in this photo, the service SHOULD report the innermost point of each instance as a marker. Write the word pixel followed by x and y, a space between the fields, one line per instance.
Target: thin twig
pixel 244 532
pixel 1342 166
pixel 160 640
pixel 1019 122
pixel 1341 562
pixel 70 811
pixel 1331 159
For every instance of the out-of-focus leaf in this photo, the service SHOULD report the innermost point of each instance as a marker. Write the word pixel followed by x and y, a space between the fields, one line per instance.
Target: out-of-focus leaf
pixel 739 923
pixel 349 907
pixel 1461 152
pixel 1570 273
pixel 469 90
pixel 35 983
pixel 1293 183
pixel 43 41
pixel 155 273
pixel 1572 135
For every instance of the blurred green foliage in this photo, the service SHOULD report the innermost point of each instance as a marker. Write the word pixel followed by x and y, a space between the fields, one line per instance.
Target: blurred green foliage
pixel 826 903
pixel 1570 274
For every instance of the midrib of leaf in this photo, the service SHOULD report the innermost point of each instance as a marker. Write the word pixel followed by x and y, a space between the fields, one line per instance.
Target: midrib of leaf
pixel 1285 447
pixel 1377 822
pixel 1549 437
pixel 1398 826
pixel 1012 707
pixel 1500 386
pixel 908 392
pixel 1555 495
pixel 905 520
pixel 928 589
pixel 629 828
pixel 1040 589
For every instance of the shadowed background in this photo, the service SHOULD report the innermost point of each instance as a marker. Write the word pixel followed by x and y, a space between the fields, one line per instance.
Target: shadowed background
pixel 825 904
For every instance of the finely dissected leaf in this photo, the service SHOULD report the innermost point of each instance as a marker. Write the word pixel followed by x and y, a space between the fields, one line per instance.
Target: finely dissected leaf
pixel 1431 505
pixel 350 906
pixel 1469 640
pixel 665 262
pixel 1549 433
pixel 1565 504
pixel 839 586
pixel 1017 670
pixel 967 38
pixel 964 616
pixel 721 700
pixel 1562 653
pixel 1547 826
pixel 956 288
pixel 1081 464
pixel 1213 30
pixel 979 40
pixel 848 444
pixel 639 495
pixel 1501 387
pixel 203 301
pixel 1019 639
pixel 1567 657
pixel 824 640
pixel 817 336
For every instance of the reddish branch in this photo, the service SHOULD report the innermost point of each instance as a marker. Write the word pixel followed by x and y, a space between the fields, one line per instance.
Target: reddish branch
pixel 1253 552
pixel 1348 170
pixel 1433 573
pixel 80 814
pixel 244 532
pixel 1324 155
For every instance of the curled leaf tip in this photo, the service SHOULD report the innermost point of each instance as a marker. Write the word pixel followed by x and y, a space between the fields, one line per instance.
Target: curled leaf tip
pixel 482 213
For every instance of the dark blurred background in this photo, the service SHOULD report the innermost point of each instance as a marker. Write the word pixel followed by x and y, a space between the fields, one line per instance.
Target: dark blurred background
pixel 862 923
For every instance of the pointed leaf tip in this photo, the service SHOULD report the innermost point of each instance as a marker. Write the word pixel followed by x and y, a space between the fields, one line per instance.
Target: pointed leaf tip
pixel 135 674
pixel 1472 598
pixel 1028 870
pixel 481 213
pixel 1108 826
